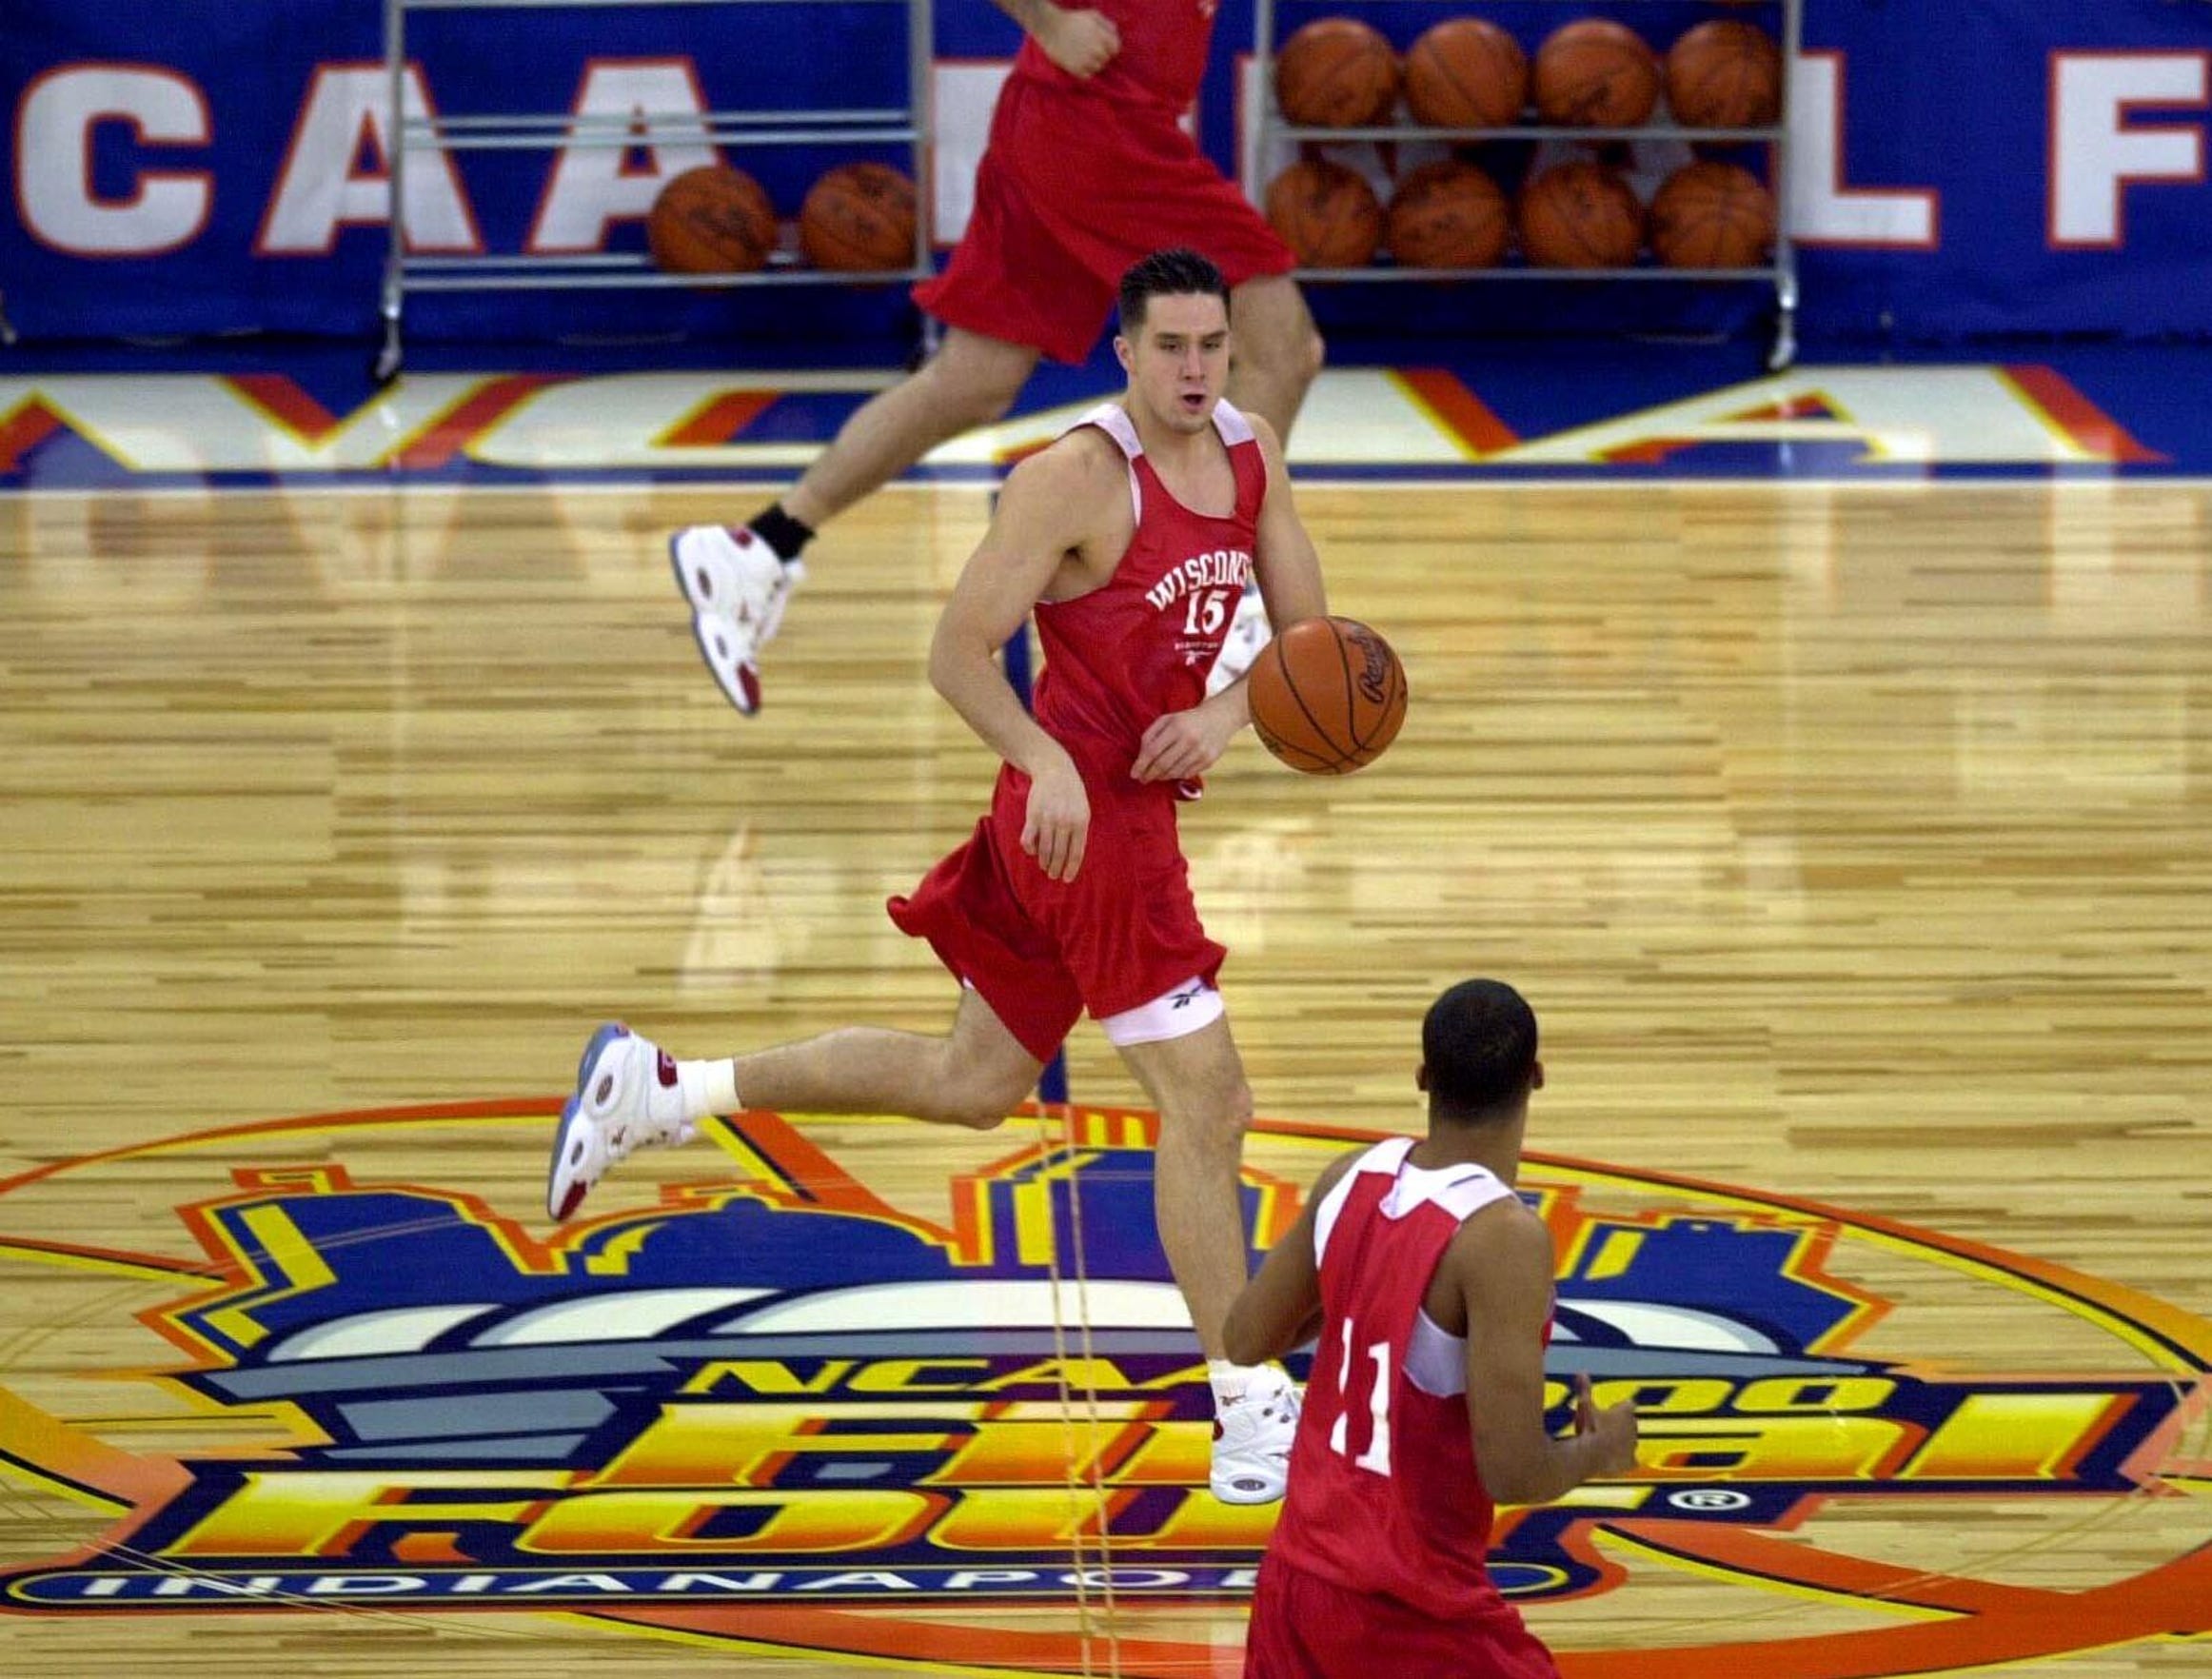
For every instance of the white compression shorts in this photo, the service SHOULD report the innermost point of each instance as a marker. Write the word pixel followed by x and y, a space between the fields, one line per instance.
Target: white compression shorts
pixel 1175 1013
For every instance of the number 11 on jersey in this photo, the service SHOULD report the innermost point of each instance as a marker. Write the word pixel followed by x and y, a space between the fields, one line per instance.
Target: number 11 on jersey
pixel 1377 1455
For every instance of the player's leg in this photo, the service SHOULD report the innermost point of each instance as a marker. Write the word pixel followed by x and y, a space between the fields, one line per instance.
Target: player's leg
pixel 738 578
pixel 1196 1083
pixel 970 380
pixel 1007 296
pixel 1196 1080
pixel 1153 188
pixel 973 1077
pixel 631 1094
pixel 1278 349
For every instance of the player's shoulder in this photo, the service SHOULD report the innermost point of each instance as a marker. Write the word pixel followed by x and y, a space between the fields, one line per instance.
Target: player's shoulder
pixel 1263 433
pixel 1270 445
pixel 1336 1172
pixel 1504 1238
pixel 1076 469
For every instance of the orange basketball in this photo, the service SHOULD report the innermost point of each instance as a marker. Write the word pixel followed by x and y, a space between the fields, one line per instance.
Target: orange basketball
pixel 859 216
pixel 711 220
pixel 1336 72
pixel 1327 214
pixel 1724 74
pixel 1466 73
pixel 1448 215
pixel 1594 73
pixel 1580 215
pixel 1327 696
pixel 1711 215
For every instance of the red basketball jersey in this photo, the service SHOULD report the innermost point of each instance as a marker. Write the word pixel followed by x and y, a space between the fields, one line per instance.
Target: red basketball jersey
pixel 1162 58
pixel 1384 1496
pixel 1142 645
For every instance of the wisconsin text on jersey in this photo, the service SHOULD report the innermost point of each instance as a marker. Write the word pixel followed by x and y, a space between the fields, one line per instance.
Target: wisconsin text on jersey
pixel 1222 568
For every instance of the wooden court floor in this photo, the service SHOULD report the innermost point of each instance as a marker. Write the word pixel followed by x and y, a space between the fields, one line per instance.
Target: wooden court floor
pixel 1854 845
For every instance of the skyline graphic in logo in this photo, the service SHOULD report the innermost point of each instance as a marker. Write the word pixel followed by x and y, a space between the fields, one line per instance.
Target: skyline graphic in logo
pixel 772 1406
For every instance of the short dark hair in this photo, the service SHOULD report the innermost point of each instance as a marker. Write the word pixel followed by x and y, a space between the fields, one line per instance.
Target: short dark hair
pixel 1180 273
pixel 1479 1046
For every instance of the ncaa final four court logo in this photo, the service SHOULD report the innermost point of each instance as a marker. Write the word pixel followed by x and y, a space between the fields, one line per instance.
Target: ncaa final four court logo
pixel 777 1403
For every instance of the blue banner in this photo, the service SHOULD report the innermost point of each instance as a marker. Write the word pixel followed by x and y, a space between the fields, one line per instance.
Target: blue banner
pixel 1997 166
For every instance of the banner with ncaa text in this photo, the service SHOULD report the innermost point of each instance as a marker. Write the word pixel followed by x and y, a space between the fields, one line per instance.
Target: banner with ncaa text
pixel 219 165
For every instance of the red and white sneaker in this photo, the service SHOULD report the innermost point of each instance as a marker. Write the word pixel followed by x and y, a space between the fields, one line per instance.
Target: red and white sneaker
pixel 737 591
pixel 626 1098
pixel 1251 1441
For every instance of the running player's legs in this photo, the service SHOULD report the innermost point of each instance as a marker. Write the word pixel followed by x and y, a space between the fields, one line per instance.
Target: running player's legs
pixel 1278 349
pixel 970 380
pixel 1196 1082
pixel 974 1076
pixel 631 1094
pixel 1127 933
pixel 1018 1004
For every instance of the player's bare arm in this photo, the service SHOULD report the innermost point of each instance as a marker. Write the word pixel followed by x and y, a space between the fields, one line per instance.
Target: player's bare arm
pixel 1186 743
pixel 1280 1307
pixel 1049 515
pixel 1499 1268
pixel 1081 41
pixel 1289 569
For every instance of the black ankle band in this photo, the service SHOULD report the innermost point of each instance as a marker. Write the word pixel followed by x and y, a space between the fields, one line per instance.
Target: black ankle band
pixel 781 531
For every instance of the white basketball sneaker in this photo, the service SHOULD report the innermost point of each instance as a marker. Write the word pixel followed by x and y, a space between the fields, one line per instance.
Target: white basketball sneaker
pixel 737 591
pixel 1251 1441
pixel 626 1098
pixel 1249 632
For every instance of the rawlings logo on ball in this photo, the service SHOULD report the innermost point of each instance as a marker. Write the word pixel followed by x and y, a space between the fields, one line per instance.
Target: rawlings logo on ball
pixel 1327 696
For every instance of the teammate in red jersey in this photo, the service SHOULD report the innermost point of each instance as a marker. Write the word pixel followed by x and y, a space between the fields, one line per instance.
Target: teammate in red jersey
pixel 1132 538
pixel 1429 1281
pixel 1087 168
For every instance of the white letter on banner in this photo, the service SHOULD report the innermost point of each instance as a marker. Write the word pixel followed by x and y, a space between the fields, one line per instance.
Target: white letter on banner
pixel 1822 210
pixel 1886 414
pixel 54 160
pixel 2094 151
pixel 318 190
pixel 592 183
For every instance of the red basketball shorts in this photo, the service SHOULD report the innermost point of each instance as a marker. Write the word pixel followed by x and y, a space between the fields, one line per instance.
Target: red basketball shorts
pixel 1124 931
pixel 1071 189
pixel 1305 1628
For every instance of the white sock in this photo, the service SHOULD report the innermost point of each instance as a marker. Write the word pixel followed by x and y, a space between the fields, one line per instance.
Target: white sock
pixel 708 1088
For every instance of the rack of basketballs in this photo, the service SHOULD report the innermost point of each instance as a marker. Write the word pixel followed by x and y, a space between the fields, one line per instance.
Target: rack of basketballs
pixel 1433 126
pixel 857 218
pixel 709 227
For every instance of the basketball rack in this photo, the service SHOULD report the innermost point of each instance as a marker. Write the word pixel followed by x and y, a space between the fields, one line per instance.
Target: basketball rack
pixel 904 125
pixel 1266 125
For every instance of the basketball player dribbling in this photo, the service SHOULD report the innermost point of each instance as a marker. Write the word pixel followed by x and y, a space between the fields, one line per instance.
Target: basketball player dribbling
pixel 1132 538
pixel 1430 1282
pixel 1086 169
